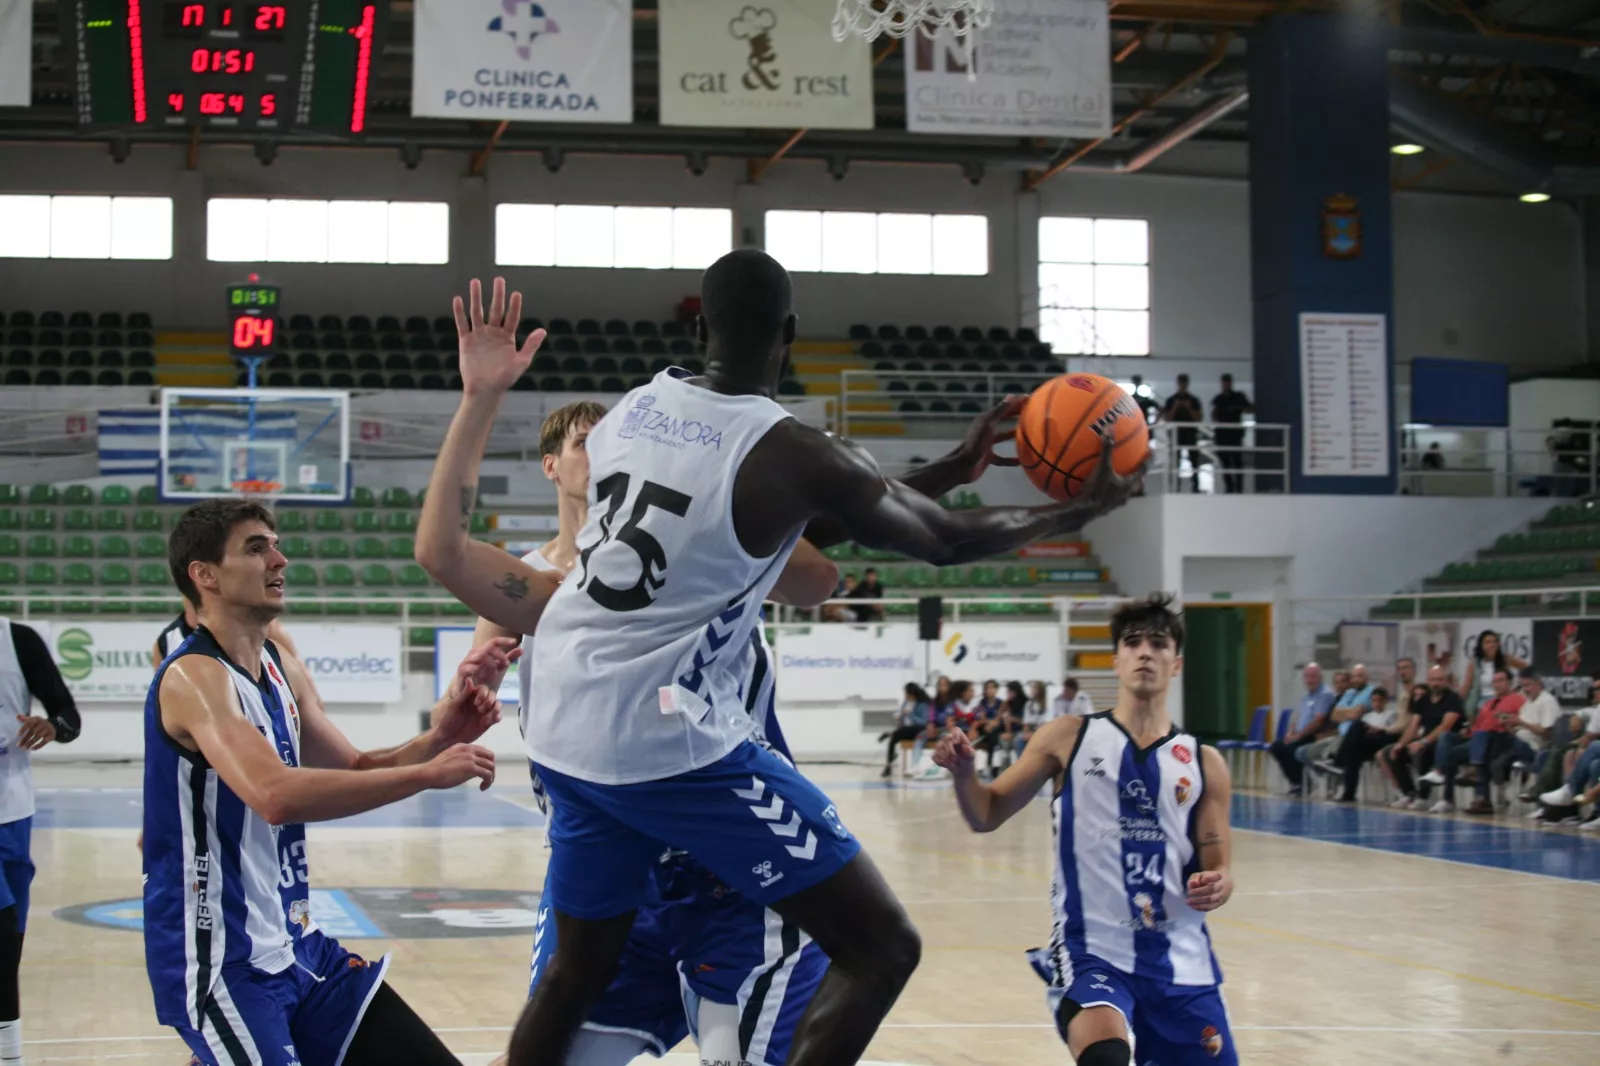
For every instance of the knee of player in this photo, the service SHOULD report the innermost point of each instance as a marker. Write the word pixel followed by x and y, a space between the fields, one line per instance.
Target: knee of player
pixel 900 947
pixel 1106 1053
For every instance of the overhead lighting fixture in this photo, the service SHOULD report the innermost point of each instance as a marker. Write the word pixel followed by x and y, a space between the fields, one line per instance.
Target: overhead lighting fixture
pixel 1406 149
pixel 1534 197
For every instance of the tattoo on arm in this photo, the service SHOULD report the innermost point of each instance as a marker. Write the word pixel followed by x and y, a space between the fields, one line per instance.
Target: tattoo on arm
pixel 469 499
pixel 514 587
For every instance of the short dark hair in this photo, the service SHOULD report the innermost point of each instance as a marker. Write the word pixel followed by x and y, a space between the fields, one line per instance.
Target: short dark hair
pixel 1380 691
pixel 1071 683
pixel 746 298
pixel 1152 615
pixel 559 424
pixel 1530 674
pixel 201 535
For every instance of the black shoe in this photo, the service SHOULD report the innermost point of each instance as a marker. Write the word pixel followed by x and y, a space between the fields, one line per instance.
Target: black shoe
pixel 887 770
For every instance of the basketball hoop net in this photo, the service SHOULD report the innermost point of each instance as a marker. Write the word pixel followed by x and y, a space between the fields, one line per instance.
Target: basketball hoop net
pixel 870 19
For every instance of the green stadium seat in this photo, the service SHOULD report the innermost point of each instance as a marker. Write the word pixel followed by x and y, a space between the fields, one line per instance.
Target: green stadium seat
pixel 333 548
pixel 40 605
pixel 1015 577
pixel 840 552
pixel 42 546
pixel 304 609
pixel 115 496
pixel 328 521
pixel 156 602
pixel 9 496
pixel 10 546
pixel 300 576
pixel 366 522
pixel 292 522
pixel 404 522
pixel 115 546
pixel 339 576
pixel 402 548
pixel 412 576
pixel 952 577
pixel 379 604
pixel 78 519
pixel 479 523
pixel 108 521
pixel 10 574
pixel 395 496
pixel 1037 607
pixel 370 548
pixel 296 547
pixel 77 574
pixel 43 496
pixel 377 575
pixel 114 601
pixel 918 577
pixel 77 547
pixel 456 609
pixel 147 496
pixel 1004 607
pixel 361 496
pixel 154 574
pixel 115 574
pixel 78 496
pixel 38 518
pixel 420 636
pixel 984 577
pixel 9 606
pixel 10 519
pixel 150 546
pixel 149 522
pixel 344 604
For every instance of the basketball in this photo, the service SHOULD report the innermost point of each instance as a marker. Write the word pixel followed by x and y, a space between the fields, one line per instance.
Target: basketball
pixel 1058 432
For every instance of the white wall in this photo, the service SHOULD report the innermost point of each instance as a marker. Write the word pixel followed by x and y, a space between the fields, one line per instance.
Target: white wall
pixel 1475 277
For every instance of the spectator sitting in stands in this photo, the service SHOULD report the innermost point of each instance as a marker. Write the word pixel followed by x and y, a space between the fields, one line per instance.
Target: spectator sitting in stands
pixel 1072 701
pixel 963 706
pixel 1435 714
pixel 1354 701
pixel 868 589
pixel 1405 686
pixel 1035 713
pixel 840 612
pixel 989 724
pixel 1310 718
pixel 1574 735
pixel 943 704
pixel 1433 458
pixel 1583 778
pixel 1491 734
pixel 911 722
pixel 1538 724
pixel 1363 739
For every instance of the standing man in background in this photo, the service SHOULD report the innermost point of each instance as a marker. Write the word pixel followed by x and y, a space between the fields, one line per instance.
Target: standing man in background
pixel 1183 408
pixel 27 672
pixel 1228 408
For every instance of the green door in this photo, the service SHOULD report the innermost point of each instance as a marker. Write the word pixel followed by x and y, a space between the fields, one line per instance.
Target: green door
pixel 1214 689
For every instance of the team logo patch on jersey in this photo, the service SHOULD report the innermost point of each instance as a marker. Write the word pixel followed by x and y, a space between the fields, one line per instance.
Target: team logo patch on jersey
pixel 1135 791
pixel 1147 909
pixel 1211 1040
pixel 830 814
pixel 635 417
pixel 1096 768
pixel 1181 790
pixel 763 870
pixel 1182 753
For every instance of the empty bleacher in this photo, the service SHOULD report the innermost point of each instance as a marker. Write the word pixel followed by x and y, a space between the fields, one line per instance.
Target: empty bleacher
pixel 76 348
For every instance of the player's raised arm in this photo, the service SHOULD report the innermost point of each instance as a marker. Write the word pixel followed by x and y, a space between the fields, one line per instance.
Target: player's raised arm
pixel 988 807
pixel 496 585
pixel 1211 886
pixel 200 712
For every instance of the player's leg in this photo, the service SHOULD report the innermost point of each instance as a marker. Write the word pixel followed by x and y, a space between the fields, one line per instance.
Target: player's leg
pixel 347 1015
pixel 1180 1026
pixel 16 879
pixel 391 1034
pixel 1092 1004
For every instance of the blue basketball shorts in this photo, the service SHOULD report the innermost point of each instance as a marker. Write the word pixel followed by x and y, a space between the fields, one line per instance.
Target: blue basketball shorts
pixel 16 867
pixel 306 1014
pixel 1169 1025
pixel 714 946
pixel 750 818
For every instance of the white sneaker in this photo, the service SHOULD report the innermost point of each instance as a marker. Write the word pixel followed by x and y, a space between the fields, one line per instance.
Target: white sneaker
pixel 1535 815
pixel 1405 803
pixel 1432 777
pixel 1442 807
pixel 1591 826
pixel 1561 797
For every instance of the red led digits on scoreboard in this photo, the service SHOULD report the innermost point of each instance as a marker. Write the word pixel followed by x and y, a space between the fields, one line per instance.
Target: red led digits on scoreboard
pixel 222 61
pixel 252 332
pixel 270 17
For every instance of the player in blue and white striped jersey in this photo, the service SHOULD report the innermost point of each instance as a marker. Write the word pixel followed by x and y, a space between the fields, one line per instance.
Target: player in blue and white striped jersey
pixel 238 756
pixel 1142 852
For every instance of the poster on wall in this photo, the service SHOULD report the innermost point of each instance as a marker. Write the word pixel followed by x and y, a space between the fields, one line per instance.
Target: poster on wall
pixel 512 59
pixel 1041 69
pixel 982 652
pixel 350 664
pixel 1344 395
pixel 1430 642
pixel 450 646
pixel 16 53
pixel 847 662
pixel 734 63
pixel 1567 656
pixel 101 662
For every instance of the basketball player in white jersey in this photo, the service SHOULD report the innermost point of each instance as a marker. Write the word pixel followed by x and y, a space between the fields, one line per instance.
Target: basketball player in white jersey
pixel 1142 852
pixel 700 488
pixel 27 673
pixel 238 756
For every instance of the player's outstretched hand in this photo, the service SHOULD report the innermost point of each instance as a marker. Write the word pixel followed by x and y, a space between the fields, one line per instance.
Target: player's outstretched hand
pixel 459 764
pixel 1106 489
pixel 955 754
pixel 1209 889
pixel 35 732
pixel 487 664
pixel 469 711
pixel 491 362
pixel 976 451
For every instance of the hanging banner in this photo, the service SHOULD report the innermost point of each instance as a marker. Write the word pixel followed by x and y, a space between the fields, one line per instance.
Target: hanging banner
pixel 102 661
pixel 16 53
pixel 1041 69
pixel 350 664
pixel 774 63
pixel 1567 656
pixel 568 61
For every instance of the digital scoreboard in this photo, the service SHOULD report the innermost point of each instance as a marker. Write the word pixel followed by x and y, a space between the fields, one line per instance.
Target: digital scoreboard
pixel 300 64
pixel 253 321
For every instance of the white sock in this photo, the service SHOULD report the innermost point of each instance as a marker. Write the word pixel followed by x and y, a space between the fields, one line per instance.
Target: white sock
pixel 11 1043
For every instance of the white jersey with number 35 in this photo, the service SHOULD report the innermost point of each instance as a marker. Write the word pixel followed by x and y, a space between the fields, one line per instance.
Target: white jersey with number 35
pixel 636 649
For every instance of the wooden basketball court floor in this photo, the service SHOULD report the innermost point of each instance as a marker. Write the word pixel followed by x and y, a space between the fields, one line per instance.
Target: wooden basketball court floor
pixel 1354 935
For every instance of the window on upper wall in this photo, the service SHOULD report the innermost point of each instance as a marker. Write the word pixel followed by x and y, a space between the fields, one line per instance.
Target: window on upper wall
pixel 85 227
pixel 597 235
pixel 1094 285
pixel 860 242
pixel 327 231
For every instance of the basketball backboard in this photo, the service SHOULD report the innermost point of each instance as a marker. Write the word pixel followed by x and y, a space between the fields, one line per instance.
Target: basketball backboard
pixel 282 444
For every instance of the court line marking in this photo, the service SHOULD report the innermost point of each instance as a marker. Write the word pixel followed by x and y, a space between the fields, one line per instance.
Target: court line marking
pixel 1428 858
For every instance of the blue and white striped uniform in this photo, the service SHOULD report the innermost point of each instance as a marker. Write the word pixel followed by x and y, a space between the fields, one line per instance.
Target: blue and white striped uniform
pixel 235 959
pixel 1125 935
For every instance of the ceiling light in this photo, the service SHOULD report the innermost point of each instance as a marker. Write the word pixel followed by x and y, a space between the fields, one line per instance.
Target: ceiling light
pixel 1406 149
pixel 1534 197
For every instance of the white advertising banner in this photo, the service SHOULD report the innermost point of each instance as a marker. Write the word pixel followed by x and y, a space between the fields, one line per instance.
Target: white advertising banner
pixel 1002 652
pixel 102 662
pixel 1042 69
pixel 350 664
pixel 514 59
pixel 772 63
pixel 16 53
pixel 450 646
pixel 847 662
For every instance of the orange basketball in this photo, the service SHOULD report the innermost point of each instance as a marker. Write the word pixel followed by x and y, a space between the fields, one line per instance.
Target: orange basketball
pixel 1058 433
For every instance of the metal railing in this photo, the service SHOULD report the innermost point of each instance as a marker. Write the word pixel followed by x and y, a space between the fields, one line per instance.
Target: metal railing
pixel 1450 461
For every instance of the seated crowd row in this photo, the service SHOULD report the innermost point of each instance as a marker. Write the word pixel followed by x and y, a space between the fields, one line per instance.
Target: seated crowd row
pixel 998 722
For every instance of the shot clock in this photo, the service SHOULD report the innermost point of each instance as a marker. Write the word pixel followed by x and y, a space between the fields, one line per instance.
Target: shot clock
pixel 252 319
pixel 222 64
